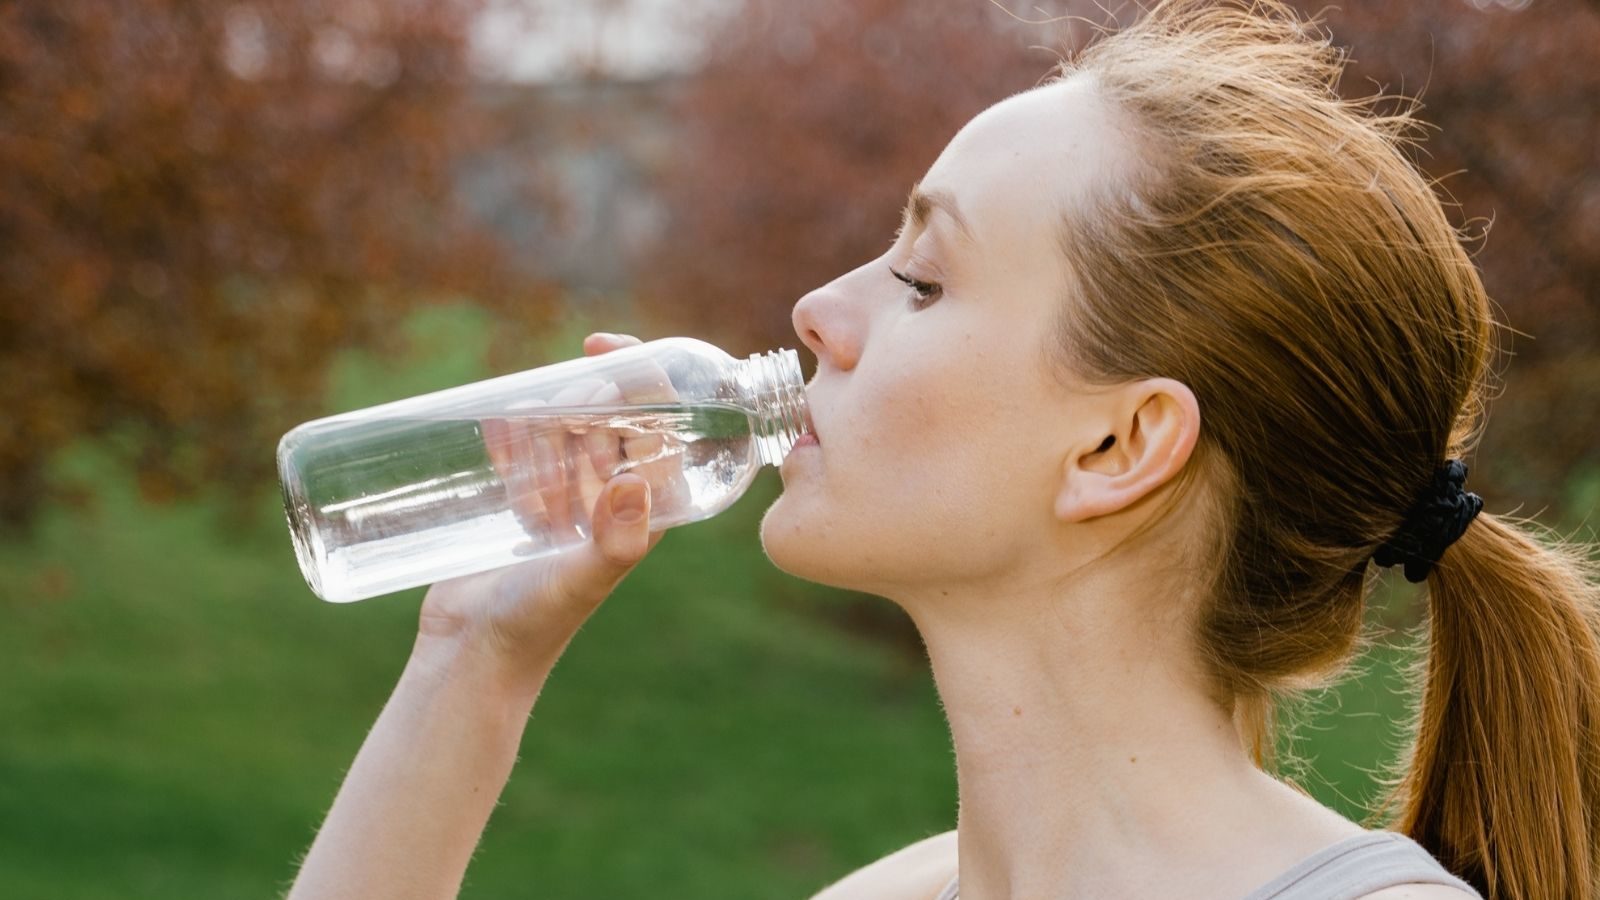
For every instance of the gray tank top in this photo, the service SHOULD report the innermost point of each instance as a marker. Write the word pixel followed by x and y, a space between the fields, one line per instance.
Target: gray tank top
pixel 1351 868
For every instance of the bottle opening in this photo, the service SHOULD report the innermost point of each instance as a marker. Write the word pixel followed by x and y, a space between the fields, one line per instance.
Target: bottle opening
pixel 779 394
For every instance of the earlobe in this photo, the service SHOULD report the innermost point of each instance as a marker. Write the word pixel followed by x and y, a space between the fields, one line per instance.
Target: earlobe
pixel 1156 424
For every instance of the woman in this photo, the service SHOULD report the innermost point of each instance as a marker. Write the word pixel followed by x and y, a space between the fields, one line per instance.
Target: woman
pixel 1167 350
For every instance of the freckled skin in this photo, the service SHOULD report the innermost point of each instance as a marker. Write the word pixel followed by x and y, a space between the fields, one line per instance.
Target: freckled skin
pixel 941 429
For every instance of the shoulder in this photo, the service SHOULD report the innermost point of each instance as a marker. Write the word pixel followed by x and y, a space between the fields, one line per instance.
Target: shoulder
pixel 915 872
pixel 1420 892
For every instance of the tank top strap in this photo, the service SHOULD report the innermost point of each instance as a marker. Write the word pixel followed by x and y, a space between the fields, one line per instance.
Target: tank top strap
pixel 1349 869
pixel 1357 866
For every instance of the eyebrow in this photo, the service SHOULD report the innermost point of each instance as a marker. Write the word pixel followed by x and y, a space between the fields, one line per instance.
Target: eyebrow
pixel 921 204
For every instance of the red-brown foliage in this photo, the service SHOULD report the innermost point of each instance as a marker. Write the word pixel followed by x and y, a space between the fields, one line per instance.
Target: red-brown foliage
pixel 801 138
pixel 201 202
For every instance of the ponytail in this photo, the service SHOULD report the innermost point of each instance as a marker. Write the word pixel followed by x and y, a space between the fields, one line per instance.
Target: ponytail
pixel 1273 246
pixel 1504 777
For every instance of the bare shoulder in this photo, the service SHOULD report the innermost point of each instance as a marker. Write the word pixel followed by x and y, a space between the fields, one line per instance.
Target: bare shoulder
pixel 916 872
pixel 1420 892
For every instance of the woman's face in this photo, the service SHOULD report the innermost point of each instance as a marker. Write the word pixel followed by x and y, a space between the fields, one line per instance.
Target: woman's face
pixel 943 431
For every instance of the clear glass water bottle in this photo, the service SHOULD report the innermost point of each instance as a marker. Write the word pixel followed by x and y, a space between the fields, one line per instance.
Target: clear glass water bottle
pixel 493 473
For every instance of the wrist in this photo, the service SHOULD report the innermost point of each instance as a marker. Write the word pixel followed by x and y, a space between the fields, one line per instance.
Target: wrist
pixel 475 662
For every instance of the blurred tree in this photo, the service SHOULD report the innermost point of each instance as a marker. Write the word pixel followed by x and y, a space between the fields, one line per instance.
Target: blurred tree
pixel 802 135
pixel 201 202
pixel 811 122
pixel 1513 89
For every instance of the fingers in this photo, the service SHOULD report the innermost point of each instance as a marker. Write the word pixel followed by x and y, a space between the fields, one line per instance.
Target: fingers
pixel 556 454
pixel 532 460
pixel 642 450
pixel 604 342
pixel 537 454
pixel 643 385
pixel 555 449
pixel 601 443
pixel 504 439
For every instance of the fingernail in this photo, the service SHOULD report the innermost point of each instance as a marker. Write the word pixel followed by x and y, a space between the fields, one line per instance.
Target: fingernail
pixel 627 504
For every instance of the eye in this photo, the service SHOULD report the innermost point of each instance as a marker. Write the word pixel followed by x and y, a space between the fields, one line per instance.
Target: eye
pixel 924 292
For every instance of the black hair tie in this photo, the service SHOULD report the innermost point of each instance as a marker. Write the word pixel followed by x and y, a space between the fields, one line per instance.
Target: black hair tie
pixel 1435 521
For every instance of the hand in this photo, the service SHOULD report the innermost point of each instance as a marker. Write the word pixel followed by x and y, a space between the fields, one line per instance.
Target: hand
pixel 553 465
pixel 526 614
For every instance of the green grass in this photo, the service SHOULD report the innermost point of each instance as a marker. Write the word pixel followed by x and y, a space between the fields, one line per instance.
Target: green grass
pixel 179 709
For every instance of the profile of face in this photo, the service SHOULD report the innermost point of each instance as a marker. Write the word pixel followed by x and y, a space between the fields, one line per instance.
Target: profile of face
pixel 950 451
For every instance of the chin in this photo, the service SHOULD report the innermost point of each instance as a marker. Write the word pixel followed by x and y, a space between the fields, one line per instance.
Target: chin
pixel 787 542
pixel 798 546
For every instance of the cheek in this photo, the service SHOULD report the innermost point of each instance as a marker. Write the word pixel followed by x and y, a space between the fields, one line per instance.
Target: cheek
pixel 941 455
pixel 907 423
pixel 934 474
pixel 992 431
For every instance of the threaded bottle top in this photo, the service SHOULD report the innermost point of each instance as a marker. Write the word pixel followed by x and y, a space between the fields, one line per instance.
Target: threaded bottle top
pixel 777 392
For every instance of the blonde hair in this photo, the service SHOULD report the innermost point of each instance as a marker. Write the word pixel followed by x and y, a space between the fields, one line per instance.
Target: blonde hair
pixel 1279 254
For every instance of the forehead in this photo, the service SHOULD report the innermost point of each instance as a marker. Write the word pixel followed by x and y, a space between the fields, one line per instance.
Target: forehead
pixel 1017 167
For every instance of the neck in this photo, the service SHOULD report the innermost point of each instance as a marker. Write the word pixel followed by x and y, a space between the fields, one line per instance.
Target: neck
pixel 1089 758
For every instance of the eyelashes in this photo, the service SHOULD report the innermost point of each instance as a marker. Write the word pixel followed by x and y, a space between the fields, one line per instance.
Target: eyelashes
pixel 923 292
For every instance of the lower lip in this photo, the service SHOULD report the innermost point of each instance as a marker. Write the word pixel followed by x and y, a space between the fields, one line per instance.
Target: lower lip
pixel 806 440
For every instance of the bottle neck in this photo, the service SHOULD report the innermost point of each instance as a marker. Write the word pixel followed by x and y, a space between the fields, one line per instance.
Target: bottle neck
pixel 775 391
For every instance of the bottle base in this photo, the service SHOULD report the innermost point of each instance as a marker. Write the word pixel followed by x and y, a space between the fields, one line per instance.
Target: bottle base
pixel 308 549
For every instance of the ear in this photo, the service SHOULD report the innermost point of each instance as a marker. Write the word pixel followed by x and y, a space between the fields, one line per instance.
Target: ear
pixel 1149 429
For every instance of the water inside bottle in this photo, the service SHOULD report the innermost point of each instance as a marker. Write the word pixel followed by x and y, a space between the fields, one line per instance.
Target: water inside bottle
pixel 460 495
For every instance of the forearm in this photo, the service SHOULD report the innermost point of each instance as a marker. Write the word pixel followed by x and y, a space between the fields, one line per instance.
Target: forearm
pixel 414 804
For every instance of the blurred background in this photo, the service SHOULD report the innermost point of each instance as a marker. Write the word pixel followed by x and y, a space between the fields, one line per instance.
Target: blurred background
pixel 220 219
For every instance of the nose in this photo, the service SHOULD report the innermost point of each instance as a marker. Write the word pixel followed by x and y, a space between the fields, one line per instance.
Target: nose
pixel 827 325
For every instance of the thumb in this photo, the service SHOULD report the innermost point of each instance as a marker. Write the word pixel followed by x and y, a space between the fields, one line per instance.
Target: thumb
pixel 622 528
pixel 620 540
